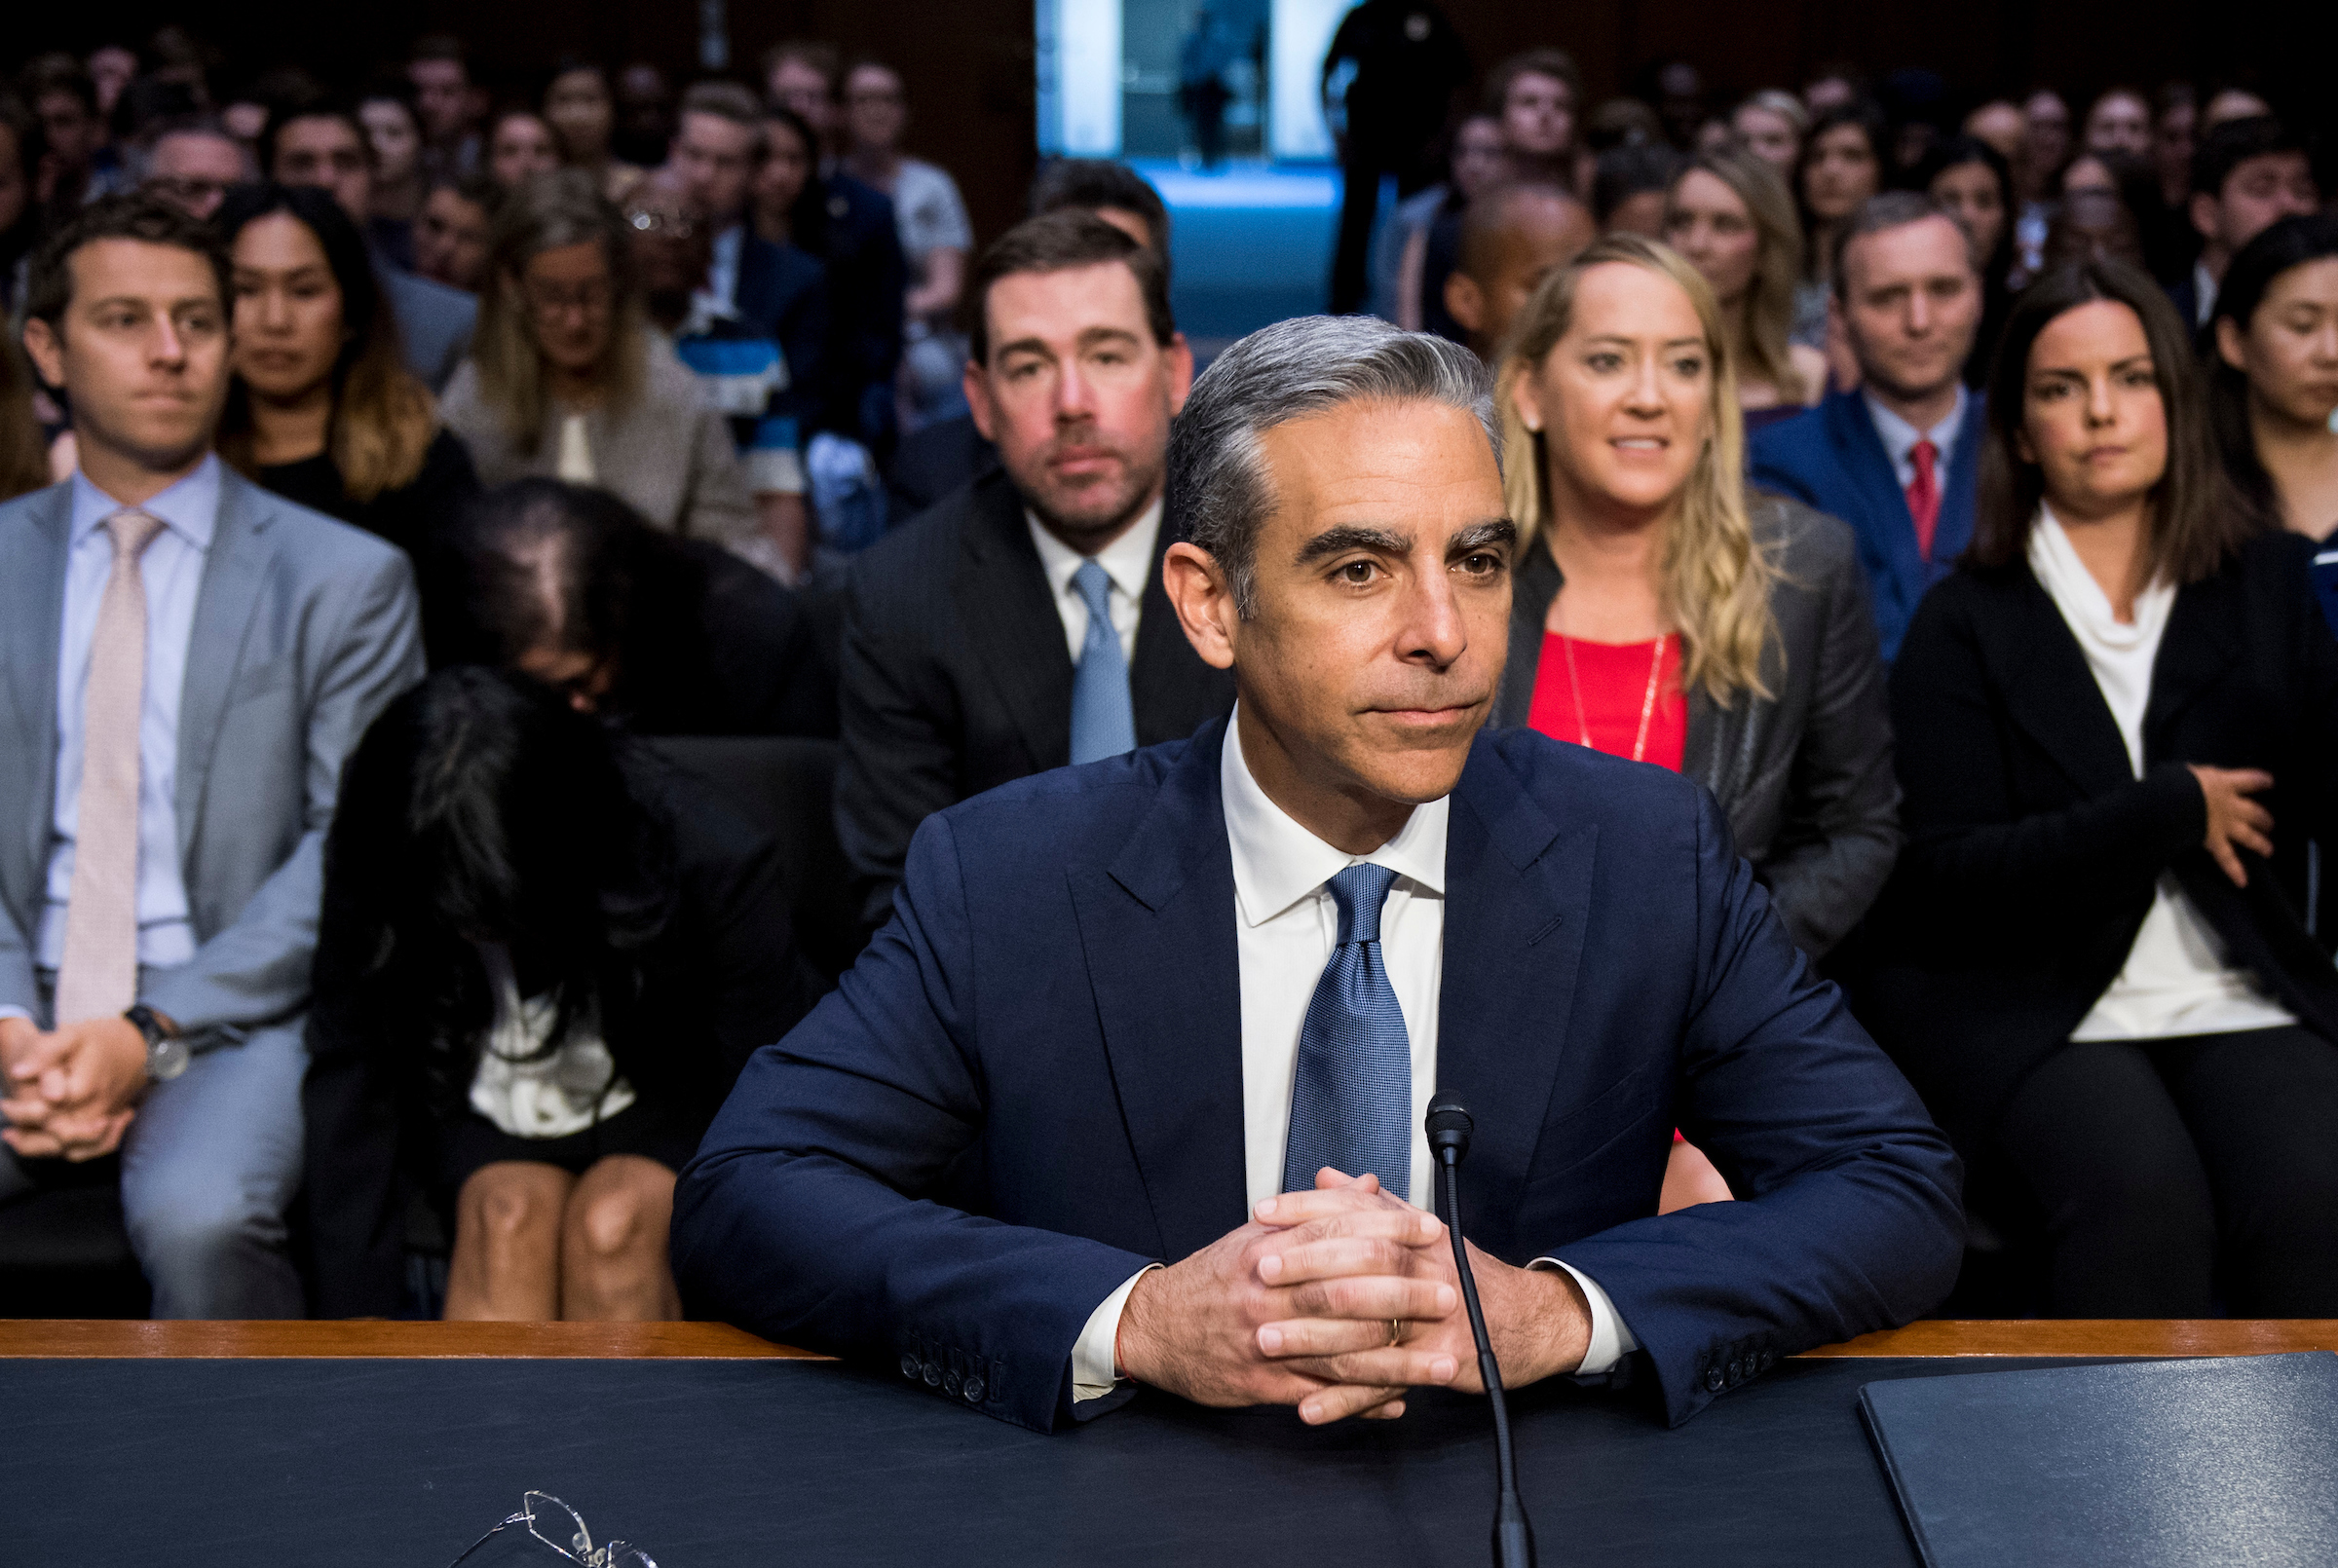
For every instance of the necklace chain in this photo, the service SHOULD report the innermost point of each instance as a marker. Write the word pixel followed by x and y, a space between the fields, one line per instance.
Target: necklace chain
pixel 1648 703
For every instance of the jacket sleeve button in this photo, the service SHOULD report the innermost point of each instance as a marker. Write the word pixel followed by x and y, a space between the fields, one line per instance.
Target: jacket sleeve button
pixel 934 1374
pixel 909 1367
pixel 972 1390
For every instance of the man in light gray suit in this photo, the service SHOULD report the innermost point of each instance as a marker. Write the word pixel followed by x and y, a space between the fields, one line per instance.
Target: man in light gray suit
pixel 184 661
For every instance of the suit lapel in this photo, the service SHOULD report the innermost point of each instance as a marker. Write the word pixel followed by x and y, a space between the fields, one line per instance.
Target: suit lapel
pixel 1517 904
pixel 235 569
pixel 1891 531
pixel 1012 622
pixel 33 566
pixel 1954 530
pixel 1157 932
pixel 2201 640
pixel 2049 688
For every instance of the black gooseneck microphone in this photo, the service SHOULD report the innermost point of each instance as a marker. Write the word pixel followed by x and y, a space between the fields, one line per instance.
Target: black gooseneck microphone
pixel 1448 1126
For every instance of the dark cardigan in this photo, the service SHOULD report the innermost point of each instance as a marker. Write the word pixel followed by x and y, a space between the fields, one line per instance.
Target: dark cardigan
pixel 2033 849
pixel 1805 774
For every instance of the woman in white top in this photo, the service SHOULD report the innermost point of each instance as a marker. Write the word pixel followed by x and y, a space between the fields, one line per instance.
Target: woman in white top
pixel 565 382
pixel 2118 737
pixel 543 958
pixel 936 237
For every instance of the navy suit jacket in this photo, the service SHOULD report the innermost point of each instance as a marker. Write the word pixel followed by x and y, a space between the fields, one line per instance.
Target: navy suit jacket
pixel 1831 459
pixel 782 294
pixel 1031 1085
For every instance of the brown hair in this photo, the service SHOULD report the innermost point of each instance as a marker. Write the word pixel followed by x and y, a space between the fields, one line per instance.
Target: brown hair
pixel 1058 241
pixel 1556 64
pixel 564 208
pixel 24 463
pixel 1777 262
pixel 1715 579
pixel 724 101
pixel 383 419
pixel 132 216
pixel 2193 520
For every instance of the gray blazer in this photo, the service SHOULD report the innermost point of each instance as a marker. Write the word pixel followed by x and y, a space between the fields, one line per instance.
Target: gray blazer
pixel 667 456
pixel 305 628
pixel 1805 774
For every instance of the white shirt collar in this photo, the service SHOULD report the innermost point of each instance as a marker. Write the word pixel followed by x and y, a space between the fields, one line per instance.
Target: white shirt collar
pixel 1899 437
pixel 2055 561
pixel 1277 862
pixel 1126 560
pixel 2204 294
pixel 190 508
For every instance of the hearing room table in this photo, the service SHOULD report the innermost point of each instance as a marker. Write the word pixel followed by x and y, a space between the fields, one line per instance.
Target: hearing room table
pixel 400 1444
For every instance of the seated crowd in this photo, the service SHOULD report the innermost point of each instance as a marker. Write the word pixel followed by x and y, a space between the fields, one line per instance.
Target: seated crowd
pixel 404 480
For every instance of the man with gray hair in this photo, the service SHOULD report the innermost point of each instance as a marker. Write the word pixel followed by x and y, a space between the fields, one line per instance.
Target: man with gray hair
pixel 1130 1089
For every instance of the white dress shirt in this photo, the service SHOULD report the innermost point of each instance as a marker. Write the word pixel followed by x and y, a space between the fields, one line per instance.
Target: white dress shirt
pixel 2176 980
pixel 2204 294
pixel 1126 560
pixel 1900 438
pixel 720 292
pixel 1286 924
pixel 172 570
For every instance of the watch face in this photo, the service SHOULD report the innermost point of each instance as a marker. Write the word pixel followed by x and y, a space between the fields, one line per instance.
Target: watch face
pixel 166 1059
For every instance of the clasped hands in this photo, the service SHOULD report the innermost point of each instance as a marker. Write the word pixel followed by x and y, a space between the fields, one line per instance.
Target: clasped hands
pixel 1338 1302
pixel 71 1092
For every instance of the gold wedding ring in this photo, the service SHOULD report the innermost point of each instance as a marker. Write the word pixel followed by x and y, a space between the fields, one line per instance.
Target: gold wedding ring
pixel 1396 1331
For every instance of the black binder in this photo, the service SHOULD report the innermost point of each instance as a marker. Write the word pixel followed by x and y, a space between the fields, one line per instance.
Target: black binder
pixel 2137 1464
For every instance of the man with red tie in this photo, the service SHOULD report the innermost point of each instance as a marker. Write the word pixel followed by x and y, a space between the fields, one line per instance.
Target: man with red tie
pixel 1898 458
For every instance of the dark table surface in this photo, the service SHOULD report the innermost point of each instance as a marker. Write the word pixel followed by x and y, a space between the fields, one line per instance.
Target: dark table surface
pixel 402 1463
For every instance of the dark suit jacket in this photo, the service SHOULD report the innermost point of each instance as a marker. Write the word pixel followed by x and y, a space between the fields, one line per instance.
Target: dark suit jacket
pixel 2033 849
pixel 1031 1085
pixel 957 677
pixel 933 462
pixel 782 294
pixel 1831 459
pixel 718 983
pixel 849 226
pixel 1804 774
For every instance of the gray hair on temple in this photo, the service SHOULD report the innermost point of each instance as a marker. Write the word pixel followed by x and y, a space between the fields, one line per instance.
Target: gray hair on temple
pixel 1218 493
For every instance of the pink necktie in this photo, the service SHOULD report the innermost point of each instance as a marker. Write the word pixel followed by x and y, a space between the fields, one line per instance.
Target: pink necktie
pixel 98 976
pixel 1924 495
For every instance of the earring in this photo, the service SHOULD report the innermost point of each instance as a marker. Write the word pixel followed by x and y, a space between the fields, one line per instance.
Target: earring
pixel 1534 428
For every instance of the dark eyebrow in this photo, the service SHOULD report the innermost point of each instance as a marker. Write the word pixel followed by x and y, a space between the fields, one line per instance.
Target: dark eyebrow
pixel 1353 537
pixel 1478 536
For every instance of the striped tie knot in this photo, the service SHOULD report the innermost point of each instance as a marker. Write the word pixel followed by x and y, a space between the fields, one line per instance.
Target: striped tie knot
pixel 1359 891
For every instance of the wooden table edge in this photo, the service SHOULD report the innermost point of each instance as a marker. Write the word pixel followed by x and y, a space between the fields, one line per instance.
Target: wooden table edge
pixel 110 1339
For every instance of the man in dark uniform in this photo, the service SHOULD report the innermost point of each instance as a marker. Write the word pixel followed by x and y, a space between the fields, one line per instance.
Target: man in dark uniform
pixel 1407 62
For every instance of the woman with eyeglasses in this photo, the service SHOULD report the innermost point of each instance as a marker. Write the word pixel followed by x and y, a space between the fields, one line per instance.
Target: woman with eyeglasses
pixel 322 409
pixel 565 382
pixel 542 958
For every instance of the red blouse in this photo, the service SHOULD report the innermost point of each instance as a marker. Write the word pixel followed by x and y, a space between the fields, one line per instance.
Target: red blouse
pixel 1613 677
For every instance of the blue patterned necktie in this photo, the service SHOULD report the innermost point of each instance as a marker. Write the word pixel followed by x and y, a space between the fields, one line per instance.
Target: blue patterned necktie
pixel 1352 1105
pixel 1104 721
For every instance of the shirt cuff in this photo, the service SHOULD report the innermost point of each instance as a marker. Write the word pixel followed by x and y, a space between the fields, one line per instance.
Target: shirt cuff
pixel 9 1010
pixel 1610 1340
pixel 1094 1369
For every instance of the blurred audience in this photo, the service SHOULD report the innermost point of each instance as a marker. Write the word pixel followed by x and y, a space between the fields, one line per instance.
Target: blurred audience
pixel 1972 183
pixel 2273 382
pixel 582 111
pixel 386 111
pixel 1629 186
pixel 321 410
pixel 1770 126
pixel 1729 214
pixel 450 234
pixel 448 105
pixel 645 113
pixel 565 381
pixel 1899 457
pixel 1512 237
pixel 1534 97
pixel 192 164
pixel 543 958
pixel 1402 65
pixel 2247 173
pixel 935 234
pixel 1476 164
pixel 520 145
pixel 1842 164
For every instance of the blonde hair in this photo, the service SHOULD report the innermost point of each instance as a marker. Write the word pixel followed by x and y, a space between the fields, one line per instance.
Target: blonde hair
pixel 1777 263
pixel 1714 580
pixel 550 212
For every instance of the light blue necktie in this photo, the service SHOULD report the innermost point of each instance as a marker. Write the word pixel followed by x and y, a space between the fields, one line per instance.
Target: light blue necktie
pixel 1104 721
pixel 1352 1105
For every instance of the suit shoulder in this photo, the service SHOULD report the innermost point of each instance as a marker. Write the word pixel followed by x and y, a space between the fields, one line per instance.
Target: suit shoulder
pixel 19 512
pixel 920 552
pixel 1066 806
pixel 1574 782
pixel 1804 542
pixel 316 545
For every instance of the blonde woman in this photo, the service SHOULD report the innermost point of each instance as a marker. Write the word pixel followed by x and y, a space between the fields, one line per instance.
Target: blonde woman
pixel 565 382
pixel 1729 213
pixel 1660 612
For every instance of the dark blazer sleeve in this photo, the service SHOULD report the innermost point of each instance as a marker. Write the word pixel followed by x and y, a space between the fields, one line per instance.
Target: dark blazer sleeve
pixel 1849 1218
pixel 896 716
pixel 805 1216
pixel 1841 833
pixel 1965 831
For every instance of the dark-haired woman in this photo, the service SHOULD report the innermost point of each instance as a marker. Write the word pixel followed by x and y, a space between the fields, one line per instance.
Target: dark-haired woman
pixel 542 961
pixel 670 636
pixel 2117 735
pixel 1973 184
pixel 1842 164
pixel 322 410
pixel 2275 382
